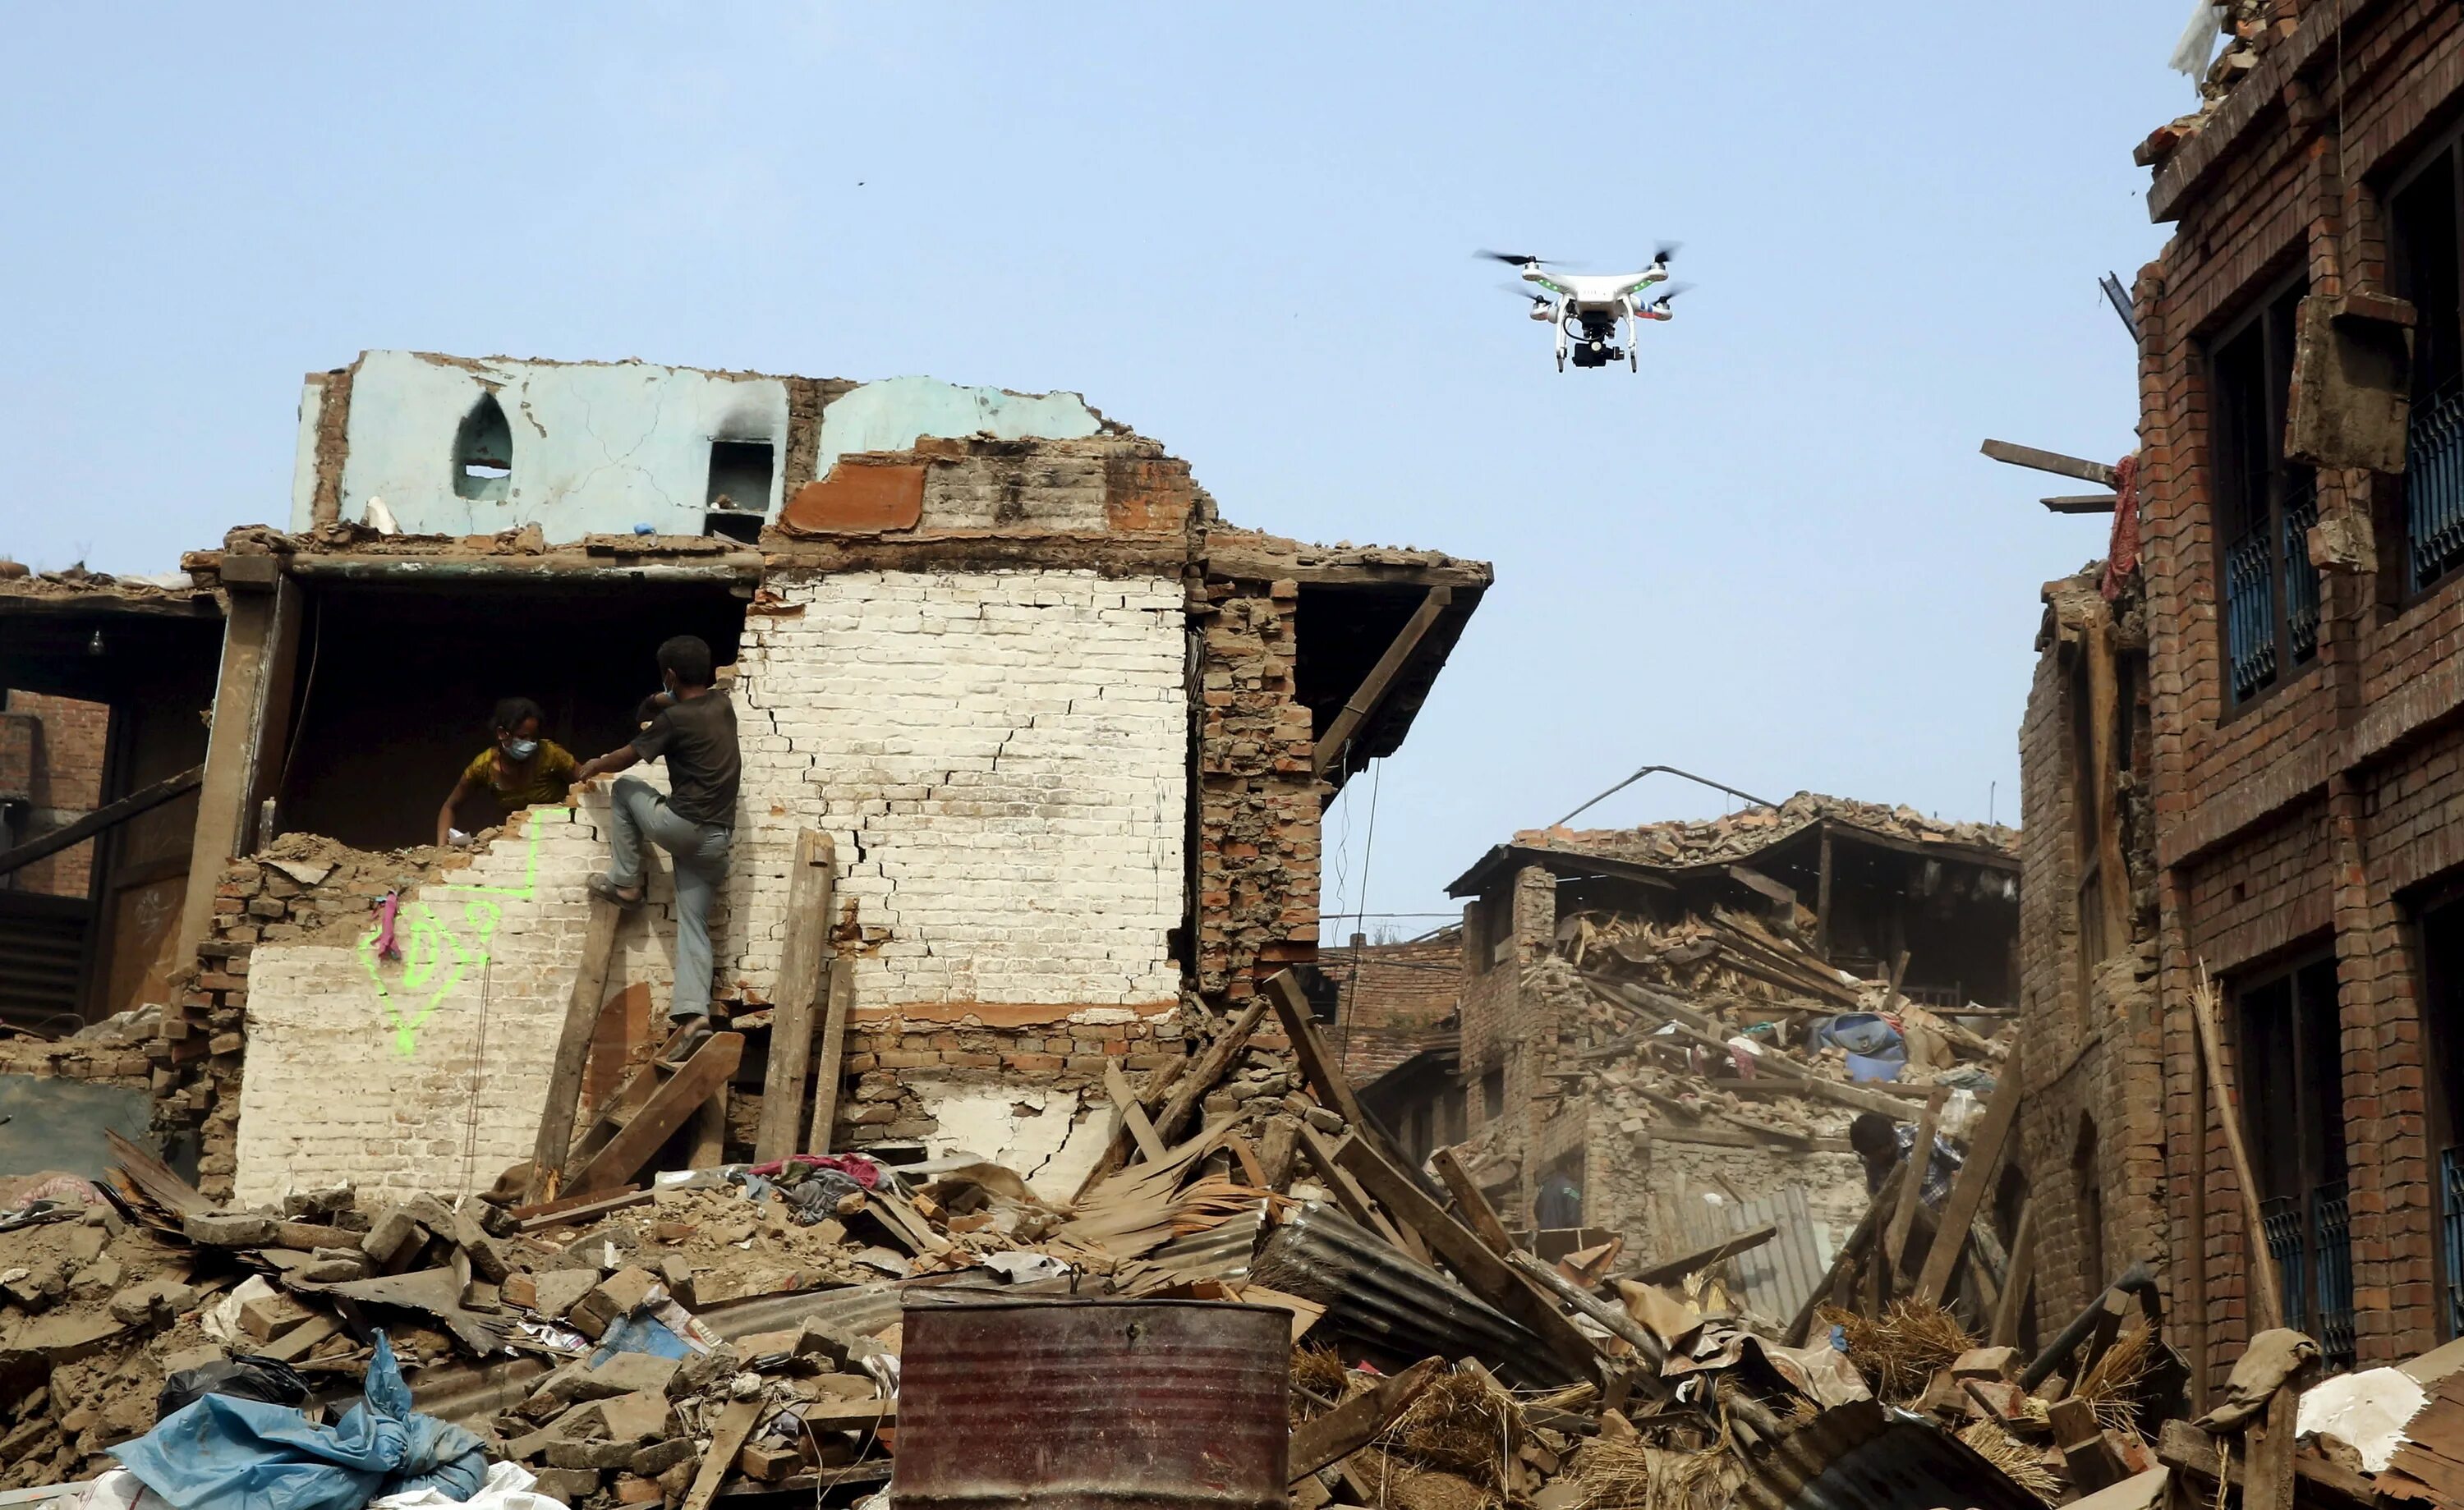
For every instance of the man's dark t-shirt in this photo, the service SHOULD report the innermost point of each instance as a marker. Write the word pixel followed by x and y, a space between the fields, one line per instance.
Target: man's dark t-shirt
pixel 697 736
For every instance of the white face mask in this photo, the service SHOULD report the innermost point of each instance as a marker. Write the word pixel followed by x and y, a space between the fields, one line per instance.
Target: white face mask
pixel 518 749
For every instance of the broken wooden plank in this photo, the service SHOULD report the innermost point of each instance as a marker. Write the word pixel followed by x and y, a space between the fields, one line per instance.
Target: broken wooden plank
pixel 1977 1177
pixel 1670 1270
pixel 667 1109
pixel 1920 1165
pixel 1351 1426
pixel 576 1208
pixel 2186 1449
pixel 1346 1190
pixel 1845 1261
pixel 1483 1272
pixel 838 976
pixel 811 884
pixel 144 800
pixel 1189 1080
pixel 727 1439
pixel 2054 462
pixel 2083 503
pixel 1125 1103
pixel 1468 1200
pixel 153 1178
pixel 555 1141
pixel 2262 1262
pixel 1372 691
pixel 1318 1064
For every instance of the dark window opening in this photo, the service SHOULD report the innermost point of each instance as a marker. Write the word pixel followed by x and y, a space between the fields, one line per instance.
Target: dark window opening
pixel 2442 968
pixel 483 453
pixel 98 708
pixel 396 685
pixel 2264 503
pixel 1492 1095
pixel 2087 805
pixel 2089 1188
pixel 739 497
pixel 2422 212
pixel 2292 1084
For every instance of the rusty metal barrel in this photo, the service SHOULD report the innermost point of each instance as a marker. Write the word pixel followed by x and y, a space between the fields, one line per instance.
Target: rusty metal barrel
pixel 1091 1405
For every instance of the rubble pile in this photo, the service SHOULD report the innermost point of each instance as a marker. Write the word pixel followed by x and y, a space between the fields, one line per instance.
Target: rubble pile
pixel 727 1334
pixel 1738 835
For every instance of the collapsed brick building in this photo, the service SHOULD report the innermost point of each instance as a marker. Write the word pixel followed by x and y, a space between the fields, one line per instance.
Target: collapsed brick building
pixel 1397 1024
pixel 1780 915
pixel 2243 753
pixel 1068 733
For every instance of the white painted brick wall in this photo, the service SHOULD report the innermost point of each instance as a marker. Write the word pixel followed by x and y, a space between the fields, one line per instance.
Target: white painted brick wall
pixel 1000 758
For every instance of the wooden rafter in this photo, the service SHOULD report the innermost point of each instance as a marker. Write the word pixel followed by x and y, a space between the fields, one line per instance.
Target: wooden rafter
pixel 1372 691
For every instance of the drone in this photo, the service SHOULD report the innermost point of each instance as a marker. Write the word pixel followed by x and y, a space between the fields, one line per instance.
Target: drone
pixel 1585 307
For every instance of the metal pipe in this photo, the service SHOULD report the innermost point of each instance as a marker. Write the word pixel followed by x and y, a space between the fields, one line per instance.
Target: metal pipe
pixel 2138 1279
pixel 1689 776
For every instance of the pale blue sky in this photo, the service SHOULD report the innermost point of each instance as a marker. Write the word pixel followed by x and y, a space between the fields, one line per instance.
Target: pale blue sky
pixel 1773 557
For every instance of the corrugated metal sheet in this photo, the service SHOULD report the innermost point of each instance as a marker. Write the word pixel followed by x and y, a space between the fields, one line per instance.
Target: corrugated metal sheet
pixel 1778 1276
pixel 1375 1294
pixel 1870 1456
pixel 1225 1253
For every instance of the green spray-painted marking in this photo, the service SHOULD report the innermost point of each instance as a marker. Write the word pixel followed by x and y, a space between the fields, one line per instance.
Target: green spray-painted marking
pixel 434 957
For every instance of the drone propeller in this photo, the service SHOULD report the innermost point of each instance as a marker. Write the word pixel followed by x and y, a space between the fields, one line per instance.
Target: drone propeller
pixel 1524 291
pixel 1669 292
pixel 1511 259
pixel 1664 250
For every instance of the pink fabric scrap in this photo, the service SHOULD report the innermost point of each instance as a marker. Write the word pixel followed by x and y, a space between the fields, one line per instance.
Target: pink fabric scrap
pixel 386 947
pixel 854 1166
pixel 2121 552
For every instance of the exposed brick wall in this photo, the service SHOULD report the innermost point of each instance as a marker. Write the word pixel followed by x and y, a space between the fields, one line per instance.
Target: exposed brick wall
pixel 60 742
pixel 2299 818
pixel 1000 758
pixel 1258 859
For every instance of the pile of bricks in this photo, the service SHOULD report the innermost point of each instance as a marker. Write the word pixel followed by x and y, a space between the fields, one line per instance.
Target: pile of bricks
pixel 885 1059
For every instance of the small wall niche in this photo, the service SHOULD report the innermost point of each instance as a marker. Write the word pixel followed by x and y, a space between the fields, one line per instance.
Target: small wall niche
pixel 737 499
pixel 483 453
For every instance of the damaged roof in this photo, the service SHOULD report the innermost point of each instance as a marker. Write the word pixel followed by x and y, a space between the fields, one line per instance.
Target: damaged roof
pixel 1682 845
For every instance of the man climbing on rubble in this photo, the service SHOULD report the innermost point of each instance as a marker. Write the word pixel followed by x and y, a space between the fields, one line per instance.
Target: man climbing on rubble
pixel 519 770
pixel 691 726
pixel 1885 1144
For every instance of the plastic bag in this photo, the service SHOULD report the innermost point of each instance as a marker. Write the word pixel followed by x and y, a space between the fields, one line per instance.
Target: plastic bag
pixel 219 1453
pixel 508 1488
pixel 243 1378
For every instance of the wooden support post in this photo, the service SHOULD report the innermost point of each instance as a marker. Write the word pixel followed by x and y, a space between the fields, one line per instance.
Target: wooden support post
pixel 1475 1207
pixel 2013 1306
pixel 581 1007
pixel 2270 1309
pixel 709 1132
pixel 811 885
pixel 1319 1066
pixel 1822 897
pixel 838 975
pixel 1372 691
pixel 1668 1271
pixel 1977 1177
pixel 251 712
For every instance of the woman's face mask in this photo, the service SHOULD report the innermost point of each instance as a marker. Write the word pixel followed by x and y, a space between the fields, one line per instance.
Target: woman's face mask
pixel 518 749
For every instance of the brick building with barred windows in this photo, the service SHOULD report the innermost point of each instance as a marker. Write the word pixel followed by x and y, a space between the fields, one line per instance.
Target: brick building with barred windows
pixel 2245 757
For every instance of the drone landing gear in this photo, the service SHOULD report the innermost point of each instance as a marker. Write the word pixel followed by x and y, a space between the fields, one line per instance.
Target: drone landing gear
pixel 1561 359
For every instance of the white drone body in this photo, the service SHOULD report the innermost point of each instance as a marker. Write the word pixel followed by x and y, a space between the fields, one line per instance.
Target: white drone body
pixel 1586 307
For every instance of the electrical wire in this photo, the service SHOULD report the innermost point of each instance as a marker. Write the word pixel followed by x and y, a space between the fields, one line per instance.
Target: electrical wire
pixel 1368 852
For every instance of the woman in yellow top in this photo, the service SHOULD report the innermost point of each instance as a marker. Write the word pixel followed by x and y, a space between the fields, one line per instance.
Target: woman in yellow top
pixel 519 770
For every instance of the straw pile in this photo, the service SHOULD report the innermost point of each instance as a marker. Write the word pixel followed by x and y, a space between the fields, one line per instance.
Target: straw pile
pixel 1900 1353
pixel 2112 1386
pixel 1461 1423
pixel 2024 1465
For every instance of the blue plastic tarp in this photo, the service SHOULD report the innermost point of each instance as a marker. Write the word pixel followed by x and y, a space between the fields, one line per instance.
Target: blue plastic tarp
pixel 221 1452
